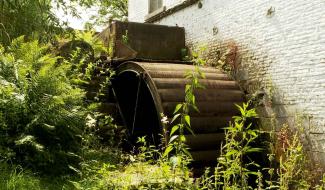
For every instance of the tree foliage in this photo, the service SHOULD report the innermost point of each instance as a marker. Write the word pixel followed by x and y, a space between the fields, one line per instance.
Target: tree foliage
pixel 116 9
pixel 35 19
pixel 111 10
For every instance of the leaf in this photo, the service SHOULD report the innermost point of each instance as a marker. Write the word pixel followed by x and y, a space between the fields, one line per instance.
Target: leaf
pixel 190 130
pixel 141 140
pixel 187 153
pixel 29 140
pixel 242 112
pixel 182 138
pixel 168 150
pixel 71 154
pixel 248 126
pixel 49 127
pixel 187 88
pixel 188 74
pixel 178 107
pixel 187 120
pixel 254 150
pixel 230 153
pixel 195 81
pixel 175 117
pixel 76 185
pixel 237 118
pixel 174 129
pixel 252 132
pixel 193 99
pixel 74 169
pixel 196 108
pixel 172 139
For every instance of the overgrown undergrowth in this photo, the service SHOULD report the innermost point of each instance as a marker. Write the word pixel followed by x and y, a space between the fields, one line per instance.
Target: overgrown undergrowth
pixel 49 136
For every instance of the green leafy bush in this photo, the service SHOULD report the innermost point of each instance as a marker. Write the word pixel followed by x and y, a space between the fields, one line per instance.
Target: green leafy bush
pixel 41 113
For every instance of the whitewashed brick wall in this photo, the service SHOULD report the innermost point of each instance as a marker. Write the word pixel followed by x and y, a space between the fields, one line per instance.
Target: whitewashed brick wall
pixel 285 50
pixel 171 3
pixel 138 9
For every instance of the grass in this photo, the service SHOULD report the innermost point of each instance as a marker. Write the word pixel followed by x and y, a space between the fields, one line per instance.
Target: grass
pixel 111 169
pixel 17 178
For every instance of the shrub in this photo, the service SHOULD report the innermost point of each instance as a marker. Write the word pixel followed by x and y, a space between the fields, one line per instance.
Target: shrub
pixel 41 113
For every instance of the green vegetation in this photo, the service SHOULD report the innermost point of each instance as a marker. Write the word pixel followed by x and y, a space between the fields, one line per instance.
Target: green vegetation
pixel 41 117
pixel 49 134
pixel 239 138
pixel 177 140
pixel 35 19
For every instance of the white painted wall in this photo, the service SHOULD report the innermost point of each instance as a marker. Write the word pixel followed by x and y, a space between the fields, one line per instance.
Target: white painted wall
pixel 171 3
pixel 286 50
pixel 138 9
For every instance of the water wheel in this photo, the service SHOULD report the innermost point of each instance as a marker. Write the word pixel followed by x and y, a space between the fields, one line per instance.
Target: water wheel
pixel 144 90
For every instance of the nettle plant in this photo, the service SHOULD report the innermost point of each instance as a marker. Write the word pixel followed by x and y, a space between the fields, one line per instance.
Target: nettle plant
pixel 181 121
pixel 239 138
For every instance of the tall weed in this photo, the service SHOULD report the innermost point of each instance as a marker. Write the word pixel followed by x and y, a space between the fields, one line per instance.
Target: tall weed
pixel 181 121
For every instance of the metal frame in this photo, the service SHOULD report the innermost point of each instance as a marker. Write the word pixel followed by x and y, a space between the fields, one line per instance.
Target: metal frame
pixel 131 66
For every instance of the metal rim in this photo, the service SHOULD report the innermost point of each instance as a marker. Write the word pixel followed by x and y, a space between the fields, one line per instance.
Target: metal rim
pixel 131 66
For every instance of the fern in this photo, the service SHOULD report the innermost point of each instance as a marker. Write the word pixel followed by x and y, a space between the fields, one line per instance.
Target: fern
pixel 42 116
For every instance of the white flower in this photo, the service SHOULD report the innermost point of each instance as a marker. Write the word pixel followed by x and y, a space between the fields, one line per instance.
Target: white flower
pixel 91 122
pixel 19 97
pixel 164 119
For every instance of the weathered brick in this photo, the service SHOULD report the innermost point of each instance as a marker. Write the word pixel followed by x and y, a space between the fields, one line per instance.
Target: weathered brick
pixel 284 50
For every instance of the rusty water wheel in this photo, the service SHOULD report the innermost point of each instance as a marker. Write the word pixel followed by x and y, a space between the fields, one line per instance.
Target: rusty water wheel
pixel 144 90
